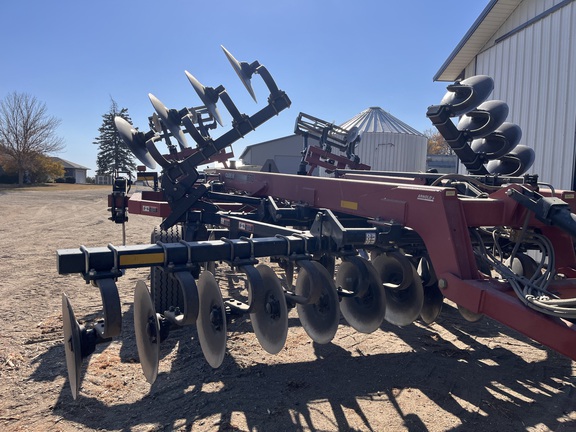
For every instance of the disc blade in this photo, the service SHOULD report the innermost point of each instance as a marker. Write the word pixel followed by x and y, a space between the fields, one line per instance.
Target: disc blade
pixel 365 311
pixel 147 329
pixel 206 100
pixel 499 142
pixel 190 302
pixel 211 320
pixel 289 273
pixel 329 263
pixel 465 95
pixel 426 272
pixel 242 70
pixel 319 319
pixel 468 315
pixel 523 265
pixel 164 115
pixel 484 120
pixel 515 163
pixel 270 322
pixel 135 141
pixel 433 301
pixel 403 304
pixel 72 345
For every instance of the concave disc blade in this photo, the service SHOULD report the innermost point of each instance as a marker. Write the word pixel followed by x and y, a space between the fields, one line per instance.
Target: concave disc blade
pixel 147 329
pixel 426 272
pixel 270 322
pixel 319 319
pixel 433 300
pixel 162 111
pixel 289 273
pixel 468 315
pixel 208 103
pixel 211 320
pixel 130 136
pixel 243 74
pixel 403 305
pixel 515 163
pixel 465 95
pixel 365 311
pixel 72 345
pixel 523 265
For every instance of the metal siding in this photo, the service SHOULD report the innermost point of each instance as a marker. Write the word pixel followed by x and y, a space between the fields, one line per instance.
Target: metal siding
pixel 534 72
pixel 258 154
pixel 525 11
pixel 473 42
pixel 407 154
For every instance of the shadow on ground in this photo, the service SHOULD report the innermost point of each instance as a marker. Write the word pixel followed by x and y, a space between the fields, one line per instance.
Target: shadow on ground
pixel 484 387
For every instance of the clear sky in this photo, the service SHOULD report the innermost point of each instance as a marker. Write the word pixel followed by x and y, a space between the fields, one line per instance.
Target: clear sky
pixel 333 58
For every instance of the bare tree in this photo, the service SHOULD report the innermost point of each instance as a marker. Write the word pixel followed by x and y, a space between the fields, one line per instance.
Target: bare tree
pixel 26 132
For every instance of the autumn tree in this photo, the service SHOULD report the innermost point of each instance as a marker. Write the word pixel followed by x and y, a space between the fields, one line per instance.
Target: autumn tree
pixel 42 168
pixel 437 144
pixel 113 154
pixel 27 133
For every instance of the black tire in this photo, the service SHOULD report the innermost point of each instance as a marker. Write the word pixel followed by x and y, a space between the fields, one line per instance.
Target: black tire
pixel 164 288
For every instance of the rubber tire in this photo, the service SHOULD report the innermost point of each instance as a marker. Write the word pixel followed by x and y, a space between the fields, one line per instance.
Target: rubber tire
pixel 165 290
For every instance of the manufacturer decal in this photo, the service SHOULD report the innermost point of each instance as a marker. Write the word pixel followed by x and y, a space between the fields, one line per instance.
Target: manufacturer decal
pixel 243 226
pixel 370 238
pixel 423 197
pixel 149 209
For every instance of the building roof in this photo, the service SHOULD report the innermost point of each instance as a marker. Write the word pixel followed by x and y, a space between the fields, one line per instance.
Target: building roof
pixel 264 143
pixel 375 119
pixel 68 164
pixel 485 26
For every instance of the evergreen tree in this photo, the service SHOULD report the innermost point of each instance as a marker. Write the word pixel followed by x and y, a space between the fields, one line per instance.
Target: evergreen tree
pixel 113 155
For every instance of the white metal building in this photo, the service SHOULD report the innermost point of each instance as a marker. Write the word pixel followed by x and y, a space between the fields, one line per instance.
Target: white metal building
pixel 71 169
pixel 529 48
pixel 388 144
pixel 285 152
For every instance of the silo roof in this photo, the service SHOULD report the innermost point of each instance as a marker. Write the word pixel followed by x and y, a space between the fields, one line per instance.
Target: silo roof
pixel 375 119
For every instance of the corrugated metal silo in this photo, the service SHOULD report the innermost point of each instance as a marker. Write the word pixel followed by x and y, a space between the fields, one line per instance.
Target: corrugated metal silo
pixel 387 143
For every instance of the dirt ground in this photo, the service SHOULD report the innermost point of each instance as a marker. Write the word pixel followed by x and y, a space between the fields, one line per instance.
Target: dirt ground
pixel 449 376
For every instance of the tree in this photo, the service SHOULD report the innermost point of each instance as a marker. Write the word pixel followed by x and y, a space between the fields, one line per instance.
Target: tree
pixel 113 155
pixel 437 144
pixel 42 168
pixel 46 169
pixel 27 133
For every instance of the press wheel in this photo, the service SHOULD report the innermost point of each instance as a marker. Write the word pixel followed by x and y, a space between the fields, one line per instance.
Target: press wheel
pixel 320 317
pixel 211 320
pixel 147 329
pixel 366 310
pixel 270 322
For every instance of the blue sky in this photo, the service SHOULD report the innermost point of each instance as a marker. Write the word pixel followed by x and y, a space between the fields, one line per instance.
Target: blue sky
pixel 333 58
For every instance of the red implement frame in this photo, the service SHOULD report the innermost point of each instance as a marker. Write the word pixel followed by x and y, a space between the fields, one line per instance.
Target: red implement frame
pixel 442 219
